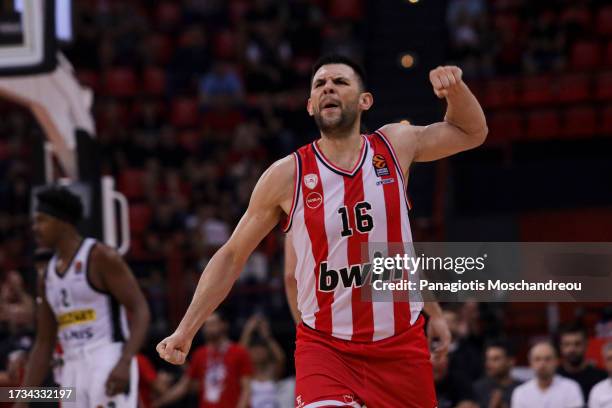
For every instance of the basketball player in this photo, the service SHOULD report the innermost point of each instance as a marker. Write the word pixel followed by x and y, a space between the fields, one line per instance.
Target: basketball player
pixel 83 297
pixel 340 192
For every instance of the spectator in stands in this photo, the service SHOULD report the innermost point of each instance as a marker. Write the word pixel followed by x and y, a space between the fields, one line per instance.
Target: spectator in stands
pixel 14 298
pixel 220 372
pixel 573 346
pixel 452 389
pixel 151 384
pixel 495 390
pixel 601 393
pixel 19 338
pixel 221 83
pixel 268 362
pixel 547 389
pixel 464 356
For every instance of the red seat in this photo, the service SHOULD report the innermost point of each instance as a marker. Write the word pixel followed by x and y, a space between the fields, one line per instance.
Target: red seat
pixel 154 81
pixel 160 48
pixel 225 44
pixel 184 112
pixel 606 123
pixel 578 14
pixel 580 121
pixel 507 23
pixel 168 14
pixel 543 124
pixel 500 93
pixel 603 86
pixel 505 126
pixel 140 218
pixel 585 55
pixel 536 90
pixel 346 9
pixel 89 78
pixel 190 140
pixel 131 183
pixel 608 54
pixel 573 88
pixel 120 82
pixel 604 21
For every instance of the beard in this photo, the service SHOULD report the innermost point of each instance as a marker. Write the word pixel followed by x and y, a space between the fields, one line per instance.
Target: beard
pixel 337 124
pixel 575 360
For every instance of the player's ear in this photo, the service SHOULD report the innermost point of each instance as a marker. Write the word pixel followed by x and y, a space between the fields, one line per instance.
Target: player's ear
pixel 309 107
pixel 366 100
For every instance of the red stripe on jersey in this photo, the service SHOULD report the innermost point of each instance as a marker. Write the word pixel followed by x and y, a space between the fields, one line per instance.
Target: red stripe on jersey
pixel 401 306
pixel 363 314
pixel 314 218
pixel 296 192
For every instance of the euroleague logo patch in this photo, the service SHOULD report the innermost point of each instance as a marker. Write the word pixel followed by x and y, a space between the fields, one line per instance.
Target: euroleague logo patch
pixel 380 165
pixel 314 200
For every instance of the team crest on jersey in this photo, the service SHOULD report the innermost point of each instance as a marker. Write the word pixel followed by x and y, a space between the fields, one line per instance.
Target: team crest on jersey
pixel 314 200
pixel 380 165
pixel 78 267
pixel 311 180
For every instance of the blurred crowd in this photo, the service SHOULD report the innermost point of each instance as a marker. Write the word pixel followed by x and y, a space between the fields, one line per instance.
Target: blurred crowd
pixel 504 37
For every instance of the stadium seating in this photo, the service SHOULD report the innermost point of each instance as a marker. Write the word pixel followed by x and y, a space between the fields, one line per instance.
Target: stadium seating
pixel 184 112
pixel 543 124
pixel 573 88
pixel 585 55
pixel 580 121
pixel 120 83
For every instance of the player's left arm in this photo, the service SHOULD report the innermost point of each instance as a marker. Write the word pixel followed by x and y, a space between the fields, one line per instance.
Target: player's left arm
pixel 438 333
pixel 464 126
pixel 117 279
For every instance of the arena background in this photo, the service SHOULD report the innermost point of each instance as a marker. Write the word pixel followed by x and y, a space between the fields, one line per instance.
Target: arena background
pixel 194 99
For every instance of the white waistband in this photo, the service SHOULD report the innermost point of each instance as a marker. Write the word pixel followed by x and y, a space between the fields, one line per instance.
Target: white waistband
pixel 78 352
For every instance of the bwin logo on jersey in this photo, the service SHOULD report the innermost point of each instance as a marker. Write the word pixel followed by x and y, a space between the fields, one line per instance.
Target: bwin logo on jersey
pixel 353 276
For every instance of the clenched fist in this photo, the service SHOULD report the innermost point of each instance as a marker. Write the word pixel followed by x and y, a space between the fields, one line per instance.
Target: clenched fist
pixel 445 79
pixel 174 349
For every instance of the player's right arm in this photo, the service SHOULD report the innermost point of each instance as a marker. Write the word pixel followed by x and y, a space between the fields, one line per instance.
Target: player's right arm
pixel 271 197
pixel 46 333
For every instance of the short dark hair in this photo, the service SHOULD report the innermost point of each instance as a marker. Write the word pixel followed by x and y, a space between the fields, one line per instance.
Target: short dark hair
pixel 340 59
pixel 60 203
pixel 572 328
pixel 501 344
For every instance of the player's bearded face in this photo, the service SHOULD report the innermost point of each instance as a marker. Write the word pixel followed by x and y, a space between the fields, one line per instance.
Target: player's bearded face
pixel 340 117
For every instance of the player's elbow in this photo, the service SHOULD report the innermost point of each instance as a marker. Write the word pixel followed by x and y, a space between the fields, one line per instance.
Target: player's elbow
pixel 479 136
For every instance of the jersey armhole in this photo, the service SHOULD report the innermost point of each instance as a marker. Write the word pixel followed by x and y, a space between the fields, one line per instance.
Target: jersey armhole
pixel 397 164
pixel 87 268
pixel 296 192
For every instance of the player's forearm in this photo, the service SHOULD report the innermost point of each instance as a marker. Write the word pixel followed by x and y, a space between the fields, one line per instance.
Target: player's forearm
pixel 464 112
pixel 245 393
pixel 214 285
pixel 38 364
pixel 139 326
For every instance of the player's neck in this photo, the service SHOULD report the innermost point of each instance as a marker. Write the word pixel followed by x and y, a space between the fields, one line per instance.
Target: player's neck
pixel 343 152
pixel 575 368
pixel 69 244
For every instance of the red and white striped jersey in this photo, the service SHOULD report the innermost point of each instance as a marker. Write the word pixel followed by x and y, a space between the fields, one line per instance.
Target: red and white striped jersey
pixel 334 215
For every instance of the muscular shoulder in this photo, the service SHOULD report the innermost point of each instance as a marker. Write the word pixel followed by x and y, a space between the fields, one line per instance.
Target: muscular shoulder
pixel 276 183
pixel 103 256
pixel 401 135
pixel 403 138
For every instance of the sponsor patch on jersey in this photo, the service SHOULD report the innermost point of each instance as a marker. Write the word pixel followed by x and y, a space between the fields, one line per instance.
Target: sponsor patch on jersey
pixel 380 165
pixel 311 180
pixel 76 317
pixel 385 181
pixel 314 200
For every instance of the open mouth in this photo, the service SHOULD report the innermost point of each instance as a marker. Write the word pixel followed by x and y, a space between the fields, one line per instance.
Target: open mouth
pixel 330 105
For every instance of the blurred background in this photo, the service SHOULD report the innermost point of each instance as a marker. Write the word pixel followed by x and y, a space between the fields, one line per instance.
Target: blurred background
pixel 193 99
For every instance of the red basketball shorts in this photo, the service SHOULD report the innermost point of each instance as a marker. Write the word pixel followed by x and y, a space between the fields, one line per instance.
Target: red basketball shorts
pixel 392 373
